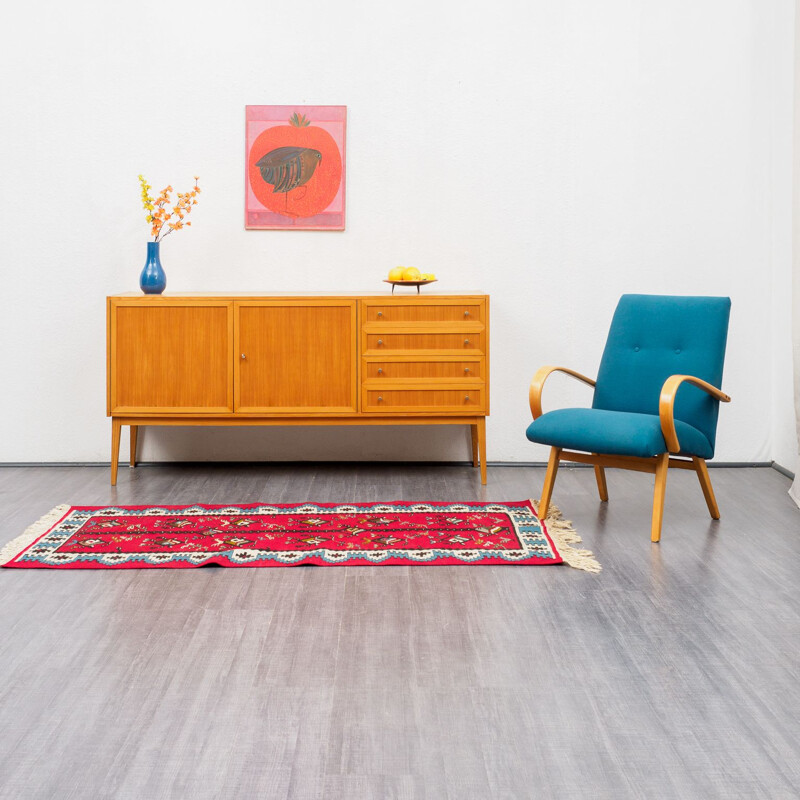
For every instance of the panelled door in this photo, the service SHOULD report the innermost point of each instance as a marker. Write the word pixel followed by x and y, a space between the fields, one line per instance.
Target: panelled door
pixel 171 357
pixel 296 357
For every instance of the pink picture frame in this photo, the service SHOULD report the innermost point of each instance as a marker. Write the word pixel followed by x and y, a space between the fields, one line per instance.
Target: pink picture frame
pixel 295 167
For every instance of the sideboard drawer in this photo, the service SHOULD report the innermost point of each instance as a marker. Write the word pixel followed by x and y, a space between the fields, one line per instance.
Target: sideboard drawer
pixel 444 343
pixel 468 400
pixel 422 368
pixel 424 312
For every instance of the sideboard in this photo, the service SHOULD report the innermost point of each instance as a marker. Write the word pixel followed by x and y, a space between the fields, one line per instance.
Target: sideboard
pixel 297 359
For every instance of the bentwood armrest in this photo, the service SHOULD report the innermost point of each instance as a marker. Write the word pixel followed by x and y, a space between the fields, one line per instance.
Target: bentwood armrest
pixel 537 384
pixel 666 405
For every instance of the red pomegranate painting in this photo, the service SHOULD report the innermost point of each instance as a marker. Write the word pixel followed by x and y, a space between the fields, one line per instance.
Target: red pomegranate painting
pixel 295 164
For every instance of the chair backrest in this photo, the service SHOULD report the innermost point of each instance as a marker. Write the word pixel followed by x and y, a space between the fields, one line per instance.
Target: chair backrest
pixel 655 336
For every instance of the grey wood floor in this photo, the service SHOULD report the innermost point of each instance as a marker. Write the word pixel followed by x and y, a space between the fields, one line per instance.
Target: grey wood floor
pixel 672 674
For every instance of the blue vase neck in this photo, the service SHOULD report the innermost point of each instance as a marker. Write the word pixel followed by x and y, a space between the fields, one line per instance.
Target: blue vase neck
pixel 152 247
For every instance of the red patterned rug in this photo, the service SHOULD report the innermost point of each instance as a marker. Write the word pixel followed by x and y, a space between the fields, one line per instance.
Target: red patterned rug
pixel 322 534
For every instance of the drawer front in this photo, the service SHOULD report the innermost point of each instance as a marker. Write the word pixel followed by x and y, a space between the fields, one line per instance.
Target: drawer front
pixel 416 312
pixel 468 400
pixel 462 369
pixel 443 343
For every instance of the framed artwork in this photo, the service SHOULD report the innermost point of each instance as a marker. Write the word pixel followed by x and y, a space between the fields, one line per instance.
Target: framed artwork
pixel 295 162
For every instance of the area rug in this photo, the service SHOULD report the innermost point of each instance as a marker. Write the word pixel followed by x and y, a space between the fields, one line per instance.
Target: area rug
pixel 321 534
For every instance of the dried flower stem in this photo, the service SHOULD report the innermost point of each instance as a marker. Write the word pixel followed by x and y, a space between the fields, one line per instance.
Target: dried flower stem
pixel 158 213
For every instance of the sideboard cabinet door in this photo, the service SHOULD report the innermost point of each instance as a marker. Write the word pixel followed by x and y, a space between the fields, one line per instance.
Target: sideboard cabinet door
pixel 296 357
pixel 171 358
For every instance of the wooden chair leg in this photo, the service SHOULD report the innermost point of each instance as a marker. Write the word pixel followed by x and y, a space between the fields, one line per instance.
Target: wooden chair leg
pixel 116 430
pixel 705 485
pixel 658 497
pixel 474 432
pixel 134 436
pixel 549 481
pixel 602 486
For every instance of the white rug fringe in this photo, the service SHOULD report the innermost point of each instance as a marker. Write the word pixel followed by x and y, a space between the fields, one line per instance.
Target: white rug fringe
pixel 13 548
pixel 564 536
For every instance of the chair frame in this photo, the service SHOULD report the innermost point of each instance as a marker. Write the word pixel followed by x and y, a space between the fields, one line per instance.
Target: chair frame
pixel 657 465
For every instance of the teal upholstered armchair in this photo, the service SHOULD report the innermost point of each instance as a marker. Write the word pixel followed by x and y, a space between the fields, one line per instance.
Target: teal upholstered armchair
pixel 656 397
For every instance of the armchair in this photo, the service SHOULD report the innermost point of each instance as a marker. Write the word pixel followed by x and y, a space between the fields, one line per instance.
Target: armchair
pixel 656 398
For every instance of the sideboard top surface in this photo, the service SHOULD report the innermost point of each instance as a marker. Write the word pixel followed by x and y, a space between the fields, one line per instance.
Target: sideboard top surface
pixel 379 295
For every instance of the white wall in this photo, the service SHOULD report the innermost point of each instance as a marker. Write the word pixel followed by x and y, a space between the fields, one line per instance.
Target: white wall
pixel 553 154
pixel 787 293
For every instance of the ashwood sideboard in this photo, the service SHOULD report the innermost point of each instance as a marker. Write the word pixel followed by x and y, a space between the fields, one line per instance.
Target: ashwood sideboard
pixel 298 359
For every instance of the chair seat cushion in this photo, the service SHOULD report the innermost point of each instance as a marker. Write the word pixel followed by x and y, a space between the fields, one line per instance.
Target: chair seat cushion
pixel 621 433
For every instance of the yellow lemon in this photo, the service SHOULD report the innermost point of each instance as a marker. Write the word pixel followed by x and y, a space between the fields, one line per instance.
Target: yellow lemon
pixel 396 273
pixel 411 274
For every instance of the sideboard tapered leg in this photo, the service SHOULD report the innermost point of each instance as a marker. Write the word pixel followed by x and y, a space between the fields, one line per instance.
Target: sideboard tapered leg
pixel 482 447
pixel 474 432
pixel 116 430
pixel 134 436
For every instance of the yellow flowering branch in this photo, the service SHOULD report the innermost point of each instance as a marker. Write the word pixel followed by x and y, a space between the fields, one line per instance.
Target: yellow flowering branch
pixel 161 210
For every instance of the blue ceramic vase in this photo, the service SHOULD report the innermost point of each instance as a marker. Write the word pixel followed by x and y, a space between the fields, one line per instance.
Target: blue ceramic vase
pixel 153 280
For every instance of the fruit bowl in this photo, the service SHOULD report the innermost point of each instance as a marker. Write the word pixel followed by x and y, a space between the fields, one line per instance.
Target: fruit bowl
pixel 410 283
